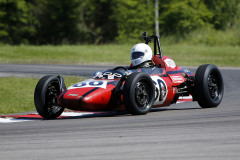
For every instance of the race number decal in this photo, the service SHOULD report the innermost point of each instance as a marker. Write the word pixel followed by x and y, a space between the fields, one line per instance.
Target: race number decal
pixel 90 83
pixel 160 89
pixel 111 75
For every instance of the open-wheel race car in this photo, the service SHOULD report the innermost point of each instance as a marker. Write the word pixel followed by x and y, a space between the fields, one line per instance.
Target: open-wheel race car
pixel 136 88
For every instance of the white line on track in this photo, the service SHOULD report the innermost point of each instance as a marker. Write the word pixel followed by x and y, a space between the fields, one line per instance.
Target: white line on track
pixel 65 114
pixel 12 120
pixel 35 116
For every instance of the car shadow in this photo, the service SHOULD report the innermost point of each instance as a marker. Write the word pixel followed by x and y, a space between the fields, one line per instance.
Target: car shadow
pixel 69 114
pixel 124 113
pixel 173 109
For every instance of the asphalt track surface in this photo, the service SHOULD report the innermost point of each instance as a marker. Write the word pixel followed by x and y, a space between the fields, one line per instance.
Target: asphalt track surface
pixel 181 131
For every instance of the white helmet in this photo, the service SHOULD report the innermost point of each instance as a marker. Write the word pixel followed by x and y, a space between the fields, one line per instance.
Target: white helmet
pixel 141 52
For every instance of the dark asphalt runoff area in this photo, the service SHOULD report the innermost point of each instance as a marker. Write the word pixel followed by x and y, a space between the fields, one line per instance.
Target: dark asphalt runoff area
pixel 182 131
pixel 39 70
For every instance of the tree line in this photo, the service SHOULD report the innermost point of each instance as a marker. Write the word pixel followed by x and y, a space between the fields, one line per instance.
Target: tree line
pixel 105 21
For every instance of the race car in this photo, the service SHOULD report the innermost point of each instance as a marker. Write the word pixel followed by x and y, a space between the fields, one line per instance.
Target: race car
pixel 135 90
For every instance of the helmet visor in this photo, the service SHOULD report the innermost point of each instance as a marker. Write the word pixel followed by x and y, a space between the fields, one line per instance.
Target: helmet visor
pixel 136 55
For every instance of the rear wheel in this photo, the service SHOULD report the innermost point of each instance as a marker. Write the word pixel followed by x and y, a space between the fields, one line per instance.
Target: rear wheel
pixel 208 86
pixel 46 97
pixel 138 93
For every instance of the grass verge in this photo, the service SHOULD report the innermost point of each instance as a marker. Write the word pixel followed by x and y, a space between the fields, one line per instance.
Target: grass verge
pixel 182 54
pixel 17 94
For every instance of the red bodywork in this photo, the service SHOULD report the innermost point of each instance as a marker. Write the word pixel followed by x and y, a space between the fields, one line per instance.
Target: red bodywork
pixel 93 98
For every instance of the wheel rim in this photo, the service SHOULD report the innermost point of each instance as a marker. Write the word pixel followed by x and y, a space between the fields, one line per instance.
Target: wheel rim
pixel 142 93
pixel 52 105
pixel 213 86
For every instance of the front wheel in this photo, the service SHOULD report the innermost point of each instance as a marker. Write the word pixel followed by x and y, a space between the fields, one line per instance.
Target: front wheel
pixel 138 93
pixel 208 86
pixel 46 97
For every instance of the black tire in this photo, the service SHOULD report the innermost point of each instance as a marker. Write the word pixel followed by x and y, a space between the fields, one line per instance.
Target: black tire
pixel 46 97
pixel 138 93
pixel 208 86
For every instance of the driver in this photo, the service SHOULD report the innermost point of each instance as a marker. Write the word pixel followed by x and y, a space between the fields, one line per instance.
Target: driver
pixel 141 56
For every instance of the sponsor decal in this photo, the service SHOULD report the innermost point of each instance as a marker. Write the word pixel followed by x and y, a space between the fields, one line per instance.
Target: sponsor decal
pixel 74 95
pixel 110 77
pixel 184 99
pixel 170 63
pixel 177 79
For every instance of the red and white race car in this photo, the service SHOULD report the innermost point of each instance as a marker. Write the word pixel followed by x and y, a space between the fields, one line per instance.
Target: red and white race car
pixel 135 90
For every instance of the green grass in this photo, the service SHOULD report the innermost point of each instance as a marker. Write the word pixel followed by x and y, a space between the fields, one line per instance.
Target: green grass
pixel 84 54
pixel 191 55
pixel 17 94
pixel 113 54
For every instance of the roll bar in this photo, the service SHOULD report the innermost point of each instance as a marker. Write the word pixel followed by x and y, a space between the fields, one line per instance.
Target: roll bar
pixel 148 39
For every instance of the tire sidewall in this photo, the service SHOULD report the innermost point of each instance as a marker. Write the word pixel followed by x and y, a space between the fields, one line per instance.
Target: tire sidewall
pixel 204 98
pixel 40 96
pixel 130 91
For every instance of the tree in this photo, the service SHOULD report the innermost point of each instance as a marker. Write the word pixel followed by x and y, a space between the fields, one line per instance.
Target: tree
pixel 104 21
pixel 97 23
pixel 133 17
pixel 58 21
pixel 16 22
pixel 183 16
pixel 225 12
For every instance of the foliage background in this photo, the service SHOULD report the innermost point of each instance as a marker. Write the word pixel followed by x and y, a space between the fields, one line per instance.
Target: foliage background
pixel 38 22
